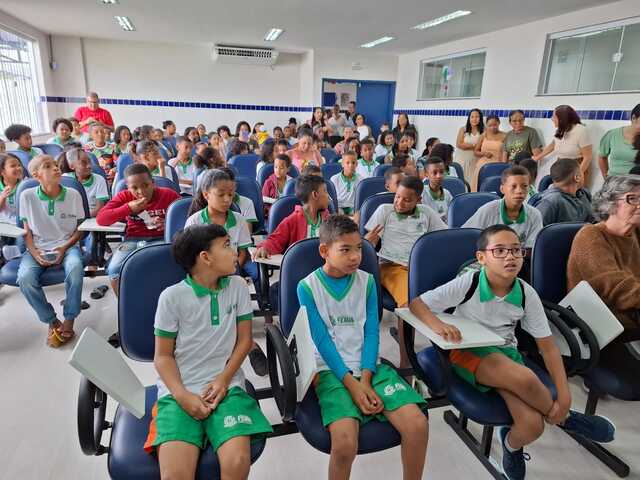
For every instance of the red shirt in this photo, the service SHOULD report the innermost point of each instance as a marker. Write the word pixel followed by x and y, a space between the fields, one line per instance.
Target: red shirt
pixel 117 210
pixel 100 114
pixel 291 230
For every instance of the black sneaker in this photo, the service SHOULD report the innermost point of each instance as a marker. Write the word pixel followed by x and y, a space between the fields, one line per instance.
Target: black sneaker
pixel 593 427
pixel 258 361
pixel 513 465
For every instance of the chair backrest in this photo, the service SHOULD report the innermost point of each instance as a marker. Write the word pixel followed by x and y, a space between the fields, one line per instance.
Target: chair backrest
pixel 381 169
pixel 428 270
pixel 300 260
pixel 159 181
pixel 491 170
pixel 145 274
pixel 329 154
pixel 52 149
pixel 455 185
pixel 24 158
pixel 367 188
pixel 545 182
pixel 330 169
pixel 534 201
pixel 248 187
pixel 549 259
pixel 177 215
pixel 290 189
pixel 459 170
pixel 491 184
pixel 98 170
pixel 164 153
pixel 380 158
pixel 464 206
pixel 245 164
pixel 370 205
pixel 281 209
pixel 267 170
pixel 123 162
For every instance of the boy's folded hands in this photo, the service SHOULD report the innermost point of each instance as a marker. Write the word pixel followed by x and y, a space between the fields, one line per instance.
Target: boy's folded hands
pixel 364 396
pixel 194 405
pixel 215 392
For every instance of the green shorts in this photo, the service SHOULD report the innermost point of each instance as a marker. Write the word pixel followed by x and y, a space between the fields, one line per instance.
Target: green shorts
pixel 336 403
pixel 237 415
pixel 465 362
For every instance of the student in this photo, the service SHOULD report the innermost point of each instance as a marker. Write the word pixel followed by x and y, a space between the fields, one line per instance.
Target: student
pixel 386 144
pixel 157 135
pixel 352 386
pixel 366 164
pixel 243 204
pixel 404 146
pixel 312 169
pixel 346 183
pixel 199 351
pixel 21 134
pixel 511 210
pixel 215 141
pixel 406 163
pixel 122 140
pixel 169 136
pixel 274 184
pixel 435 195
pixel 192 134
pixel 147 153
pixel 103 151
pixel 266 155
pixel 532 167
pixel 202 131
pixel 281 147
pixel 51 214
pixel 278 134
pixel 445 152
pixel 183 165
pixel 77 131
pixel 398 226
pixel 421 163
pixel 498 301
pixel 11 175
pixel 143 206
pixel 75 163
pixel 62 129
pixel 392 178
pixel 565 201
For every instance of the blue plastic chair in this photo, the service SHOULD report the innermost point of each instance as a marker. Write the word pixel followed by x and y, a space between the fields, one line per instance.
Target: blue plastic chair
pixel 177 215
pixel 52 149
pixel 491 185
pixel 123 162
pixel 329 154
pixel 145 274
pixel 330 169
pixel 159 181
pixel 455 185
pixel 267 170
pixel 290 189
pixel 545 182
pixel 459 170
pixel 248 187
pixel 245 164
pixel 491 170
pixel 380 170
pixel 380 158
pixel 23 156
pixel 367 188
pixel 464 206
pixel 281 209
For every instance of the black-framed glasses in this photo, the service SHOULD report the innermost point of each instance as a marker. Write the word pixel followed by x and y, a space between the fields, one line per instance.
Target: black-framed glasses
pixel 503 252
pixel 631 199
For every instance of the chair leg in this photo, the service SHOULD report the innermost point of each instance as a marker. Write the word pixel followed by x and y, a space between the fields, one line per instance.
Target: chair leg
pixel 482 449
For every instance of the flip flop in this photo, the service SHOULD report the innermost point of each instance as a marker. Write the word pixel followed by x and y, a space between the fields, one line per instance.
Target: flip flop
pixel 99 292
pixel 55 338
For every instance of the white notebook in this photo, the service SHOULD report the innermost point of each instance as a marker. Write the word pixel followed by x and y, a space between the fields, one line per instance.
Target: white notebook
pixel 305 355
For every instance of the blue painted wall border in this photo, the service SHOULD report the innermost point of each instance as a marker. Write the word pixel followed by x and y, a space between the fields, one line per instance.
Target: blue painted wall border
pixel 584 114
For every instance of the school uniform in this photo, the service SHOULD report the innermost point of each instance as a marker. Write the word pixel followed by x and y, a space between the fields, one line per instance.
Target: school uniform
pixel 343 319
pixel 9 211
pixel 33 151
pixel 95 187
pixel 346 191
pixel 365 169
pixel 247 208
pixel 203 324
pixel 439 202
pixel 381 150
pixel 235 225
pixel 167 173
pixel 185 172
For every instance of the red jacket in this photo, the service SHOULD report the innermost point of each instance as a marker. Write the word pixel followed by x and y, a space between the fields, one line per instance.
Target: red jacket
pixel 117 210
pixel 291 230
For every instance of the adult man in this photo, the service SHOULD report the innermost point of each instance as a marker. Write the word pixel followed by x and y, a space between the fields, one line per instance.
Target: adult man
pixel 91 113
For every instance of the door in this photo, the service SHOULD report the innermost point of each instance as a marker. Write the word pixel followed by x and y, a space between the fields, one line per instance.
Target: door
pixel 375 101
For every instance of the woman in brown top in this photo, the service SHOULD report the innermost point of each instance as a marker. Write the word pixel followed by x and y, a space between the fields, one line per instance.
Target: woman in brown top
pixel 607 255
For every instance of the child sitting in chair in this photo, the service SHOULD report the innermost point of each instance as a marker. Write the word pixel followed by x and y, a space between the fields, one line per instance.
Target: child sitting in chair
pixel 435 195
pixel 21 134
pixel 75 163
pixel 183 164
pixel 346 182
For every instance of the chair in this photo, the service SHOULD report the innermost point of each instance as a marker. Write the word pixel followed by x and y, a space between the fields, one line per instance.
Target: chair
pixel 290 189
pixel 330 155
pixel 545 182
pixel 248 187
pixel 163 182
pixel 145 274
pixel 491 185
pixel 52 149
pixel 464 206
pixel 455 185
pixel 380 170
pixel 123 162
pixel 245 164
pixel 380 159
pixel 177 215
pixel 548 277
pixel 281 209
pixel 330 169
pixel 367 188
pixel 492 169
pixel 267 170
pixel 23 156
pixel 458 168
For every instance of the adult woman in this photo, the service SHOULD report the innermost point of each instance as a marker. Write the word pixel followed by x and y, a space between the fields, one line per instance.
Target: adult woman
pixel 570 141
pixel 620 147
pixel 607 255
pixel 489 148
pixel 521 138
pixel 361 127
pixel 403 126
pixel 467 140
pixel 305 153
pixel 318 122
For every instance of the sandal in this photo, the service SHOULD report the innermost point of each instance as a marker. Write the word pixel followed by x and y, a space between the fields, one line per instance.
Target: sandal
pixel 99 292
pixel 55 338
pixel 67 335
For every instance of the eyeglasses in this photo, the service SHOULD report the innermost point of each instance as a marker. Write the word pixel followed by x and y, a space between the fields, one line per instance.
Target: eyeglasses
pixel 501 252
pixel 633 200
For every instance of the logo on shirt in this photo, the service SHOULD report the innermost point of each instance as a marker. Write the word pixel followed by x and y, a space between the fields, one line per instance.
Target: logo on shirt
pixel 64 216
pixel 342 320
pixel 231 308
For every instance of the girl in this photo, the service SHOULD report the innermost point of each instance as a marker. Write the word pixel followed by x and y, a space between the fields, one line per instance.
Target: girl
pixel 76 163
pixel 225 136
pixel 239 148
pixel 305 153
pixel 122 140
pixel 404 146
pixel 192 134
pixel 102 150
pixel 62 128
pixel 77 134
pixel 468 137
pixel 421 163
pixel 385 147
pixel 354 146
pixel 202 131
pixel 243 131
pixel 489 148
pixel 445 152
pixel 266 155
pixel 215 141
pixel 148 154
pixel 274 184
pixel 361 127
pixel 11 174
pixel 277 133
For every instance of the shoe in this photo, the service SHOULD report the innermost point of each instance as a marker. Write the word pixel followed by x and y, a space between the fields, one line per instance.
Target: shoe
pixel 513 463
pixel 258 361
pixel 9 252
pixel 593 427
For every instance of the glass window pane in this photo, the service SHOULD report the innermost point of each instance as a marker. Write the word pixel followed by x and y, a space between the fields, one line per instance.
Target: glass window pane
pixel 628 73
pixel 564 66
pixel 452 78
pixel 598 60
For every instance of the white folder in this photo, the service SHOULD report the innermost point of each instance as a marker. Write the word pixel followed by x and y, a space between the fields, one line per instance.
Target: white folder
pixel 305 353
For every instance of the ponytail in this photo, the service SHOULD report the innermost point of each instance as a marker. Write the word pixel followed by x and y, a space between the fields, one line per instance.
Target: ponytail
pixel 210 179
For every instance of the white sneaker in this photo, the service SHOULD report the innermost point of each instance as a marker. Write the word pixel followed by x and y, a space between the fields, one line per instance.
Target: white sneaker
pixel 9 252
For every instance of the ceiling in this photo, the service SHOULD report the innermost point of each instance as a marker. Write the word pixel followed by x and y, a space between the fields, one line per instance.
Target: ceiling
pixel 337 24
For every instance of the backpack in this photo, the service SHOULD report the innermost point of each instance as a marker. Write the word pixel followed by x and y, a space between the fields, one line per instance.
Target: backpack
pixel 472 289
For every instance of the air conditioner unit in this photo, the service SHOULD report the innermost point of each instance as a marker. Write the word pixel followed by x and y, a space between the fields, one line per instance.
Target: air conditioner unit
pixel 244 55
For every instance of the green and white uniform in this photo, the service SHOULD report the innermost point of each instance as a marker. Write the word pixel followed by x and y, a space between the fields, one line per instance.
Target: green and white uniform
pixel 236 227
pixel 346 191
pixel 95 187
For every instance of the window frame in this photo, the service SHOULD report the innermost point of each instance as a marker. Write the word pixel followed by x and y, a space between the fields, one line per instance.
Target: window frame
pixel 449 56
pixel 564 34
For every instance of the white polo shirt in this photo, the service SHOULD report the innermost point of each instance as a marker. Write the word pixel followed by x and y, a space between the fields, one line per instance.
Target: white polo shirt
pixel 247 208
pixel 364 169
pixel 346 191
pixel 203 323
pixel 236 227
pixel 51 220
pixel 498 314
pixel 95 188
pixel 439 203
pixel 402 231
pixel 185 172
pixel 9 211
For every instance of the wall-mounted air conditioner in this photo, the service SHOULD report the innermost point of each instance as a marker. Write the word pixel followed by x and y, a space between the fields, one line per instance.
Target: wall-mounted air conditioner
pixel 244 55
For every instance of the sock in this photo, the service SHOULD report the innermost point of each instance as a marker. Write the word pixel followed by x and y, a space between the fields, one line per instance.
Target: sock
pixel 509 448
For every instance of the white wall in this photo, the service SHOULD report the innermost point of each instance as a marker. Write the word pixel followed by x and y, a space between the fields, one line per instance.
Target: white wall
pixel 512 71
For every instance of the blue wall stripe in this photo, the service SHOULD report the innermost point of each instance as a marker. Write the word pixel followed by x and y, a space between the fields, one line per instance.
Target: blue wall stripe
pixel 174 104
pixel 584 114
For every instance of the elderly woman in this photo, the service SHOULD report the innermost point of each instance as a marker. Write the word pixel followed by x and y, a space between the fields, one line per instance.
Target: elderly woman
pixel 607 255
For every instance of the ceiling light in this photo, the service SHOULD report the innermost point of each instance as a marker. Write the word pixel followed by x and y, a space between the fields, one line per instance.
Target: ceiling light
pixel 439 20
pixel 125 23
pixel 108 2
pixel 273 34
pixel 376 42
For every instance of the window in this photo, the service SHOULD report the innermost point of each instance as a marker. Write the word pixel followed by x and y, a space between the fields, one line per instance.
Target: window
pixel 598 59
pixel 454 76
pixel 19 92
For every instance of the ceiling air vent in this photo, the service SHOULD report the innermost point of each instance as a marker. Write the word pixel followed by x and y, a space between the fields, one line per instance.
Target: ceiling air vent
pixel 244 55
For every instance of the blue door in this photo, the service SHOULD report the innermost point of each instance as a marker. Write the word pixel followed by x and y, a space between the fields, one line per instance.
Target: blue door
pixel 375 101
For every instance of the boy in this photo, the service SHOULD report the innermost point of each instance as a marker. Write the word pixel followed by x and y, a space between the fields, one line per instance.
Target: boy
pixel 366 164
pixel 274 184
pixel 202 335
pixel 346 183
pixel 148 154
pixel 144 207
pixel 183 164
pixel 51 214
pixel 565 200
pixel 392 178
pixel 499 301
pixel 101 149
pixel 405 163
pixel 524 219
pixel 21 134
pixel 435 195
pixel 352 386
pixel 398 226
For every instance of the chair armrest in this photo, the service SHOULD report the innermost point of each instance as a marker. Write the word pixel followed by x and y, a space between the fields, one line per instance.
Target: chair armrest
pixel 92 407
pixel 279 355
pixel 573 361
